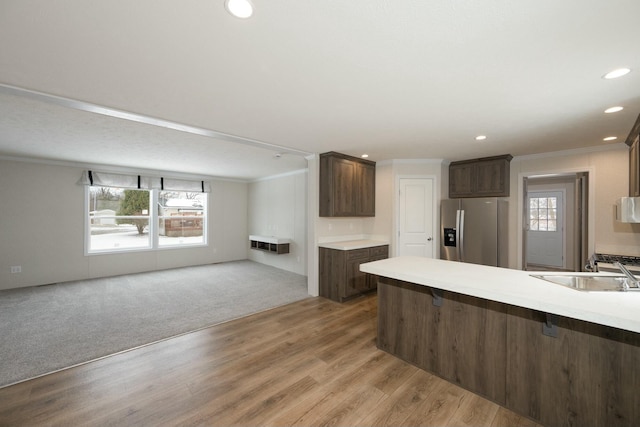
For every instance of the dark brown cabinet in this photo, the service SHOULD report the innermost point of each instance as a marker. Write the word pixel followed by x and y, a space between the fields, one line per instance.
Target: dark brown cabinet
pixel 340 275
pixel 633 141
pixel 634 168
pixel 347 186
pixel 461 178
pixel 485 177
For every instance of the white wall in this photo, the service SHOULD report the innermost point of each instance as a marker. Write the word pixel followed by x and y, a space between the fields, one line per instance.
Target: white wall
pixel 42 229
pixel 278 207
pixel 609 180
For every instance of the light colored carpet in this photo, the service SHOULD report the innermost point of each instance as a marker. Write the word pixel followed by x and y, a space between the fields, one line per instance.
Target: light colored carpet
pixel 48 328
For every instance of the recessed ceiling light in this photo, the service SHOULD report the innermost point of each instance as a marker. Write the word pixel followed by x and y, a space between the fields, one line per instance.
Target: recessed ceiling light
pixel 610 138
pixel 239 8
pixel 613 109
pixel 481 137
pixel 364 156
pixel 617 73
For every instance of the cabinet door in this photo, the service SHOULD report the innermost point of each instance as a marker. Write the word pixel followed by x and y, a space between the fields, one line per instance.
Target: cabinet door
pixel 634 168
pixel 331 273
pixel 492 178
pixel 337 187
pixel 366 194
pixel 372 280
pixel 376 253
pixel 461 180
pixel 356 281
pixel 344 184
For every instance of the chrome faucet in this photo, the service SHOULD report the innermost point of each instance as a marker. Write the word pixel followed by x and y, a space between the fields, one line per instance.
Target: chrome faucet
pixel 630 277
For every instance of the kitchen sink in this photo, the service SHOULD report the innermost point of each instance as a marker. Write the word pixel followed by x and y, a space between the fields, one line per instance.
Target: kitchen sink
pixel 590 282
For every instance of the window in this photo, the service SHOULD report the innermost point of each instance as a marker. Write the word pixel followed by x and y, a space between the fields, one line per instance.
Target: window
pixel 118 219
pixel 181 218
pixel 543 213
pixel 126 213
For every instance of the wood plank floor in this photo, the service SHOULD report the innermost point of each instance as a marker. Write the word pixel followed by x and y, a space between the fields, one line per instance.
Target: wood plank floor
pixel 310 363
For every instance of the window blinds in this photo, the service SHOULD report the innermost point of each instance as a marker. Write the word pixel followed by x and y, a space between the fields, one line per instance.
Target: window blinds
pixel 104 179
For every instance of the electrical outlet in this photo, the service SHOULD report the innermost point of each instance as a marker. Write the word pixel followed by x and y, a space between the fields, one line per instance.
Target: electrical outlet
pixel 16 269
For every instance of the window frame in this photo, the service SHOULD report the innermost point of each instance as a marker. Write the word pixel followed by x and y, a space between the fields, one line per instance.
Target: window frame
pixel 153 227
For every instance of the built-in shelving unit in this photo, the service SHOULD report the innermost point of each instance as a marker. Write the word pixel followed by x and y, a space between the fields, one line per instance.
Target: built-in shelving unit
pixel 274 245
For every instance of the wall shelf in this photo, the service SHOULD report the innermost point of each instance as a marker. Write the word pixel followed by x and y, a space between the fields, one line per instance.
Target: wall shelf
pixel 274 245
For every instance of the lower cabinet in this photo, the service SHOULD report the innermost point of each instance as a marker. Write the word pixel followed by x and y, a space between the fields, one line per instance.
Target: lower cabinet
pixel 340 275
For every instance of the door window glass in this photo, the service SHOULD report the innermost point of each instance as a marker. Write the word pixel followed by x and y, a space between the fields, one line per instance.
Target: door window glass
pixel 543 213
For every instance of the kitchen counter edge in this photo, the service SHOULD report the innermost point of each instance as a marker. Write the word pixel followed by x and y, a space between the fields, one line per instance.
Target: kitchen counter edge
pixel 349 245
pixel 516 287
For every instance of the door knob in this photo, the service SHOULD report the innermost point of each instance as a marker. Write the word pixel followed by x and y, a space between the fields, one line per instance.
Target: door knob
pixel 429 239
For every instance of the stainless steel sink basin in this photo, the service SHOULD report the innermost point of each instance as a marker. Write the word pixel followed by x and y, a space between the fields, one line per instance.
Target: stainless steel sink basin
pixel 589 283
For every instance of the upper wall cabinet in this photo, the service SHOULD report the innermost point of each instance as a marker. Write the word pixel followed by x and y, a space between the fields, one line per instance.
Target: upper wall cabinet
pixel 485 177
pixel 633 140
pixel 347 186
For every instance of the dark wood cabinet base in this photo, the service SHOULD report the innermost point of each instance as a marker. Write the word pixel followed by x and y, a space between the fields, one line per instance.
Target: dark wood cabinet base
pixel 588 375
pixel 340 277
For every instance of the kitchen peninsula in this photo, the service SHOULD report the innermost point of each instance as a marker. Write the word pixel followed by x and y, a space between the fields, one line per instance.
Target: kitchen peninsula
pixel 554 354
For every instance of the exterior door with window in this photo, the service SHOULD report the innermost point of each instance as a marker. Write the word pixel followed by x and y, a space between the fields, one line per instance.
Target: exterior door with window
pixel 545 236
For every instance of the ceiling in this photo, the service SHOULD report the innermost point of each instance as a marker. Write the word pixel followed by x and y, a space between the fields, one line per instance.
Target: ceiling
pixel 188 88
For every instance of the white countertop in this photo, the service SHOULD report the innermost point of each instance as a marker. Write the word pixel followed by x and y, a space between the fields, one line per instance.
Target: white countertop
pixel 352 244
pixel 515 287
pixel 269 239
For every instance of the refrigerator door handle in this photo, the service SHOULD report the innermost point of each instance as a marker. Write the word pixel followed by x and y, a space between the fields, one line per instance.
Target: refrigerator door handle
pixel 457 235
pixel 460 236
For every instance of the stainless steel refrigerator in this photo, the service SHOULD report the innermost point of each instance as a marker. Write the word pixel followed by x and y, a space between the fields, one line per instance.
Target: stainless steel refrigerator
pixel 475 230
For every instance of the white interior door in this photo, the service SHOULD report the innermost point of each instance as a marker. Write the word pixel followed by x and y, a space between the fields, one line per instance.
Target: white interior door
pixel 415 233
pixel 545 237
